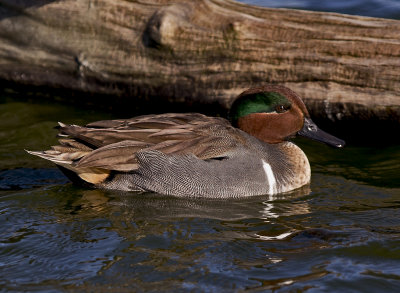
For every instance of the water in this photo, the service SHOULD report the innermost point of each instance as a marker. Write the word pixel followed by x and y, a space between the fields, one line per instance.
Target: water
pixel 340 234
pixel 374 8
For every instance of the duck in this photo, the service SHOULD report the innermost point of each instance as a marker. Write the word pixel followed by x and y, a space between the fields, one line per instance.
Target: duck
pixel 194 155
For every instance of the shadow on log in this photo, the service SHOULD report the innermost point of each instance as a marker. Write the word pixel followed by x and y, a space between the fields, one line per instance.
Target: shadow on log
pixel 159 55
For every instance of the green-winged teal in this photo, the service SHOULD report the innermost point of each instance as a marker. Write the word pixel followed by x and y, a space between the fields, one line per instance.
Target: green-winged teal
pixel 195 155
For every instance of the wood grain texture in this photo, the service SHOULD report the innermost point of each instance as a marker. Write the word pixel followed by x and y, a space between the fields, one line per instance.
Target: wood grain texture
pixel 203 52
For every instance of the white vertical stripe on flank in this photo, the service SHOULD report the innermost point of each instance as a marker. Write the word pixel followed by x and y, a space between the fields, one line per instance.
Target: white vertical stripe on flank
pixel 270 177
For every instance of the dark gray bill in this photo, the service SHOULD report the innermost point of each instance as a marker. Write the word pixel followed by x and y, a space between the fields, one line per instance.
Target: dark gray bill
pixel 311 130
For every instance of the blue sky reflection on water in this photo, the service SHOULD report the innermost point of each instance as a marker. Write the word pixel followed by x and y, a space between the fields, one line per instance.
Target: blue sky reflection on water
pixel 374 8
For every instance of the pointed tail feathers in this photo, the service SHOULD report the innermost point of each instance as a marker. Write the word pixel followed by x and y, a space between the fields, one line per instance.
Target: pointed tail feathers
pixel 66 160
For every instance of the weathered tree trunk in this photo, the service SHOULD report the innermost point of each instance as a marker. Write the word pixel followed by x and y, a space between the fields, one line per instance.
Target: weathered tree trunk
pixel 202 52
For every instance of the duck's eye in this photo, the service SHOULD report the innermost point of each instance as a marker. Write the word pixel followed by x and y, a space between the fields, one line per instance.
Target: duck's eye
pixel 281 108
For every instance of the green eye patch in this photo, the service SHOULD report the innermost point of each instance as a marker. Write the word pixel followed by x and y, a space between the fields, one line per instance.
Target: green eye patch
pixel 264 102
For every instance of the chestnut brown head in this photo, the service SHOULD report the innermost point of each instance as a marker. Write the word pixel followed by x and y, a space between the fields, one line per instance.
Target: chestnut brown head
pixel 274 113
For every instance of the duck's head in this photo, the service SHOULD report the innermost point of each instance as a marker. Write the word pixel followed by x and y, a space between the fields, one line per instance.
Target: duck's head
pixel 274 113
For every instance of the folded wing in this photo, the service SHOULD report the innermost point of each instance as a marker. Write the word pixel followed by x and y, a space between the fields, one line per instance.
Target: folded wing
pixel 94 150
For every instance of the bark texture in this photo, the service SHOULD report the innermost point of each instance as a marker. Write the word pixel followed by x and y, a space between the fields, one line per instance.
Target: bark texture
pixel 202 52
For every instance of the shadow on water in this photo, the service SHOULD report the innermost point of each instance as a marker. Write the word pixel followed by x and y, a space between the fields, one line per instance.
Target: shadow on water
pixel 150 205
pixel 24 178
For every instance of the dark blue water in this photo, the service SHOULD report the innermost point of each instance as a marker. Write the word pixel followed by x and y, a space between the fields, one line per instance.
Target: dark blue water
pixel 374 8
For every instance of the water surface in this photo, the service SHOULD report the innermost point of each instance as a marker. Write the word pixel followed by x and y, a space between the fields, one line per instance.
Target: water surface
pixel 340 234
pixel 374 8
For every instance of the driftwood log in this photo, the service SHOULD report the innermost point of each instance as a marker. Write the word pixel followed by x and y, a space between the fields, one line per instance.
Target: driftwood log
pixel 158 55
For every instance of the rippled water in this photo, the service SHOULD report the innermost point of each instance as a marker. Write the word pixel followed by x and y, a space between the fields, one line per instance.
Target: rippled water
pixel 340 234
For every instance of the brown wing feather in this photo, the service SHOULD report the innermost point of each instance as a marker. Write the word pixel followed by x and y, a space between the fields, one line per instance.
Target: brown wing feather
pixel 116 142
pixel 120 156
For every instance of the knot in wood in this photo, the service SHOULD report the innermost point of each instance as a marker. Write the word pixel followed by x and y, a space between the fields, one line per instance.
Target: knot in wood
pixel 163 26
